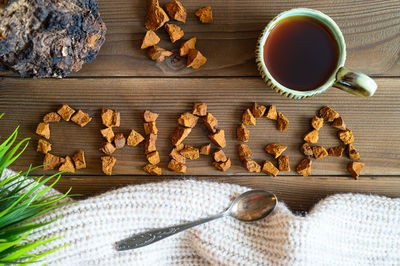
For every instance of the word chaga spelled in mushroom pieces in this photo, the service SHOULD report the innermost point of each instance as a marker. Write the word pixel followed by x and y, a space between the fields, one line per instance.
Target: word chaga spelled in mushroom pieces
pixel 181 152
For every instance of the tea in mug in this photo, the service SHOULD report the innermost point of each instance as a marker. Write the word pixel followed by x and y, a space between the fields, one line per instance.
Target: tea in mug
pixel 301 53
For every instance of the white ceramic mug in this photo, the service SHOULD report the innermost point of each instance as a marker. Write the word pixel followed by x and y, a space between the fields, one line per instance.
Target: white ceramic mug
pixel 343 78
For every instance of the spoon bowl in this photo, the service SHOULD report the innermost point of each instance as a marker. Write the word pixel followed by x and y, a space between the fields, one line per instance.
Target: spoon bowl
pixel 253 205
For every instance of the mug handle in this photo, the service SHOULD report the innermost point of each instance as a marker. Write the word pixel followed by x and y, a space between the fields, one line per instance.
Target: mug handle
pixel 354 82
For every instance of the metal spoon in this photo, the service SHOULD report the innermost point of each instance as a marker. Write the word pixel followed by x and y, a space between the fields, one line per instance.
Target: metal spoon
pixel 249 206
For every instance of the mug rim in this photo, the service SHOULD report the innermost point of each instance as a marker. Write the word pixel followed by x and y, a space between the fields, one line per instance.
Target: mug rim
pixel 323 18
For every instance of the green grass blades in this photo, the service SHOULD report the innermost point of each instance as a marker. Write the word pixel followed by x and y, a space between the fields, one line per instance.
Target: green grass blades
pixel 21 199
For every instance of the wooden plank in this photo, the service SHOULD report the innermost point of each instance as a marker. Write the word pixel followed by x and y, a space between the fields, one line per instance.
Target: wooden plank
pixel 375 121
pixel 299 193
pixel 371 29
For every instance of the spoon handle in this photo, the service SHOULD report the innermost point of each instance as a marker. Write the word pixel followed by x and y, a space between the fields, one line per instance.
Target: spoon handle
pixel 149 237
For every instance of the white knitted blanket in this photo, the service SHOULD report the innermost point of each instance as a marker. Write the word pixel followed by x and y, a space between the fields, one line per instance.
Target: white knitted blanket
pixel 346 229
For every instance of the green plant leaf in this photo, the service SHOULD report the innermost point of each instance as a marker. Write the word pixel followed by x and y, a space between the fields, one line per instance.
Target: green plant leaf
pixel 21 199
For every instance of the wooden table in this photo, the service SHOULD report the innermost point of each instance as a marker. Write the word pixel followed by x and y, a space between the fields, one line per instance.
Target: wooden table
pixel 123 78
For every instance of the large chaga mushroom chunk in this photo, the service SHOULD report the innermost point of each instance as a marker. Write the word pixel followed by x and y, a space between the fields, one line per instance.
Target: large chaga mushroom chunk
pixel 49 38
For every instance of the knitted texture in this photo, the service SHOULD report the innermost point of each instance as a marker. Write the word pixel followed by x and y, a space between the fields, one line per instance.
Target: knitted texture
pixel 346 229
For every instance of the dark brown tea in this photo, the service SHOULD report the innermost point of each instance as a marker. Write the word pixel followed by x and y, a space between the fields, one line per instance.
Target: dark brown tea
pixel 301 53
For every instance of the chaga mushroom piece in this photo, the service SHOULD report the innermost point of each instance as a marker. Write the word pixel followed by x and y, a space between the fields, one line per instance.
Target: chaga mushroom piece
pixel 119 140
pixel 81 118
pixel 205 149
pixel 328 113
pixel 223 166
pixel 205 14
pixel 107 164
pixel 110 118
pixel 51 117
pixel 218 138
pixel 210 122
pixel 51 161
pixel 43 146
pixel 150 143
pixel 312 136
pixel 108 148
pixel 108 134
pixel 355 168
pixel 187 46
pixel 150 39
pixel 244 151
pixel 150 128
pixel 174 154
pixel 179 135
pixel 319 152
pixel 353 153
pixel 176 11
pixel 152 169
pixel 153 157
pixel 43 129
pixel 188 120
pixel 306 149
pixel 177 167
pixel 50 38
pixel 346 136
pixel 271 113
pixel 219 156
pixel 158 54
pixel 67 166
pixel 134 138
pixel 336 151
pixel 190 152
pixel 317 122
pixel 270 169
pixel 242 133
pixel 339 123
pixel 282 123
pixel 248 118
pixel 156 16
pixel 275 149
pixel 251 166
pixel 195 59
pixel 283 163
pixel 149 116
pixel 65 112
pixel 175 32
pixel 304 167
pixel 200 109
pixel 79 160
pixel 258 110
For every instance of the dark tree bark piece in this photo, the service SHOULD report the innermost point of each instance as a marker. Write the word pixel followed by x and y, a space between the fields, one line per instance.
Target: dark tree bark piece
pixel 49 38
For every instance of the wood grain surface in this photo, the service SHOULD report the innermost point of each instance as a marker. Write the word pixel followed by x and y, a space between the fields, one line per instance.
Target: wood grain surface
pixel 369 27
pixel 123 78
